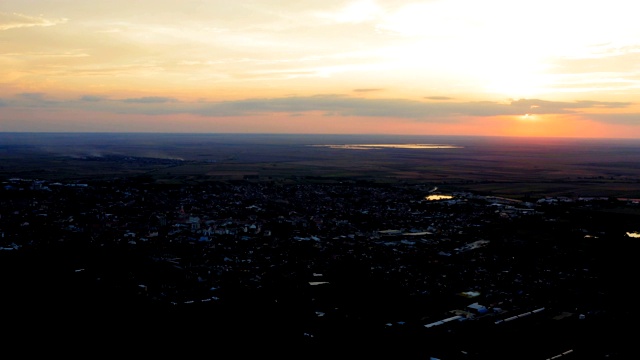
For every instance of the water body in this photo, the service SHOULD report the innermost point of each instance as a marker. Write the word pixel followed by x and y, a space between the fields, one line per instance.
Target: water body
pixel 438 197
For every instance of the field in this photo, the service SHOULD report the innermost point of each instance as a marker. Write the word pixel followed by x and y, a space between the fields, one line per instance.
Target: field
pixel 514 167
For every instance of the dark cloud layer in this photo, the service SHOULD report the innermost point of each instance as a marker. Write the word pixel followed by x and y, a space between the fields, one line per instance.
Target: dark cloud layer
pixel 399 108
pixel 91 98
pixel 329 104
pixel 622 119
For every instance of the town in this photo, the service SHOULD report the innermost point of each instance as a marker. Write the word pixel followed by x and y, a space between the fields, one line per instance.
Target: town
pixel 402 270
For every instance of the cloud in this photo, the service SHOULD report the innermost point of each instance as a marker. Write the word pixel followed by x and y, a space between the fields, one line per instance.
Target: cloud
pixel 618 65
pixel 34 54
pixel 602 104
pixel 32 96
pixel 438 98
pixel 620 119
pixel 335 104
pixel 34 99
pixel 367 90
pixel 536 106
pixel 149 100
pixel 331 104
pixel 91 98
pixel 398 108
pixel 15 20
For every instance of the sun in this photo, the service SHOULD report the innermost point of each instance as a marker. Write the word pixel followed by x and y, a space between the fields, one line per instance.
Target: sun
pixel 528 117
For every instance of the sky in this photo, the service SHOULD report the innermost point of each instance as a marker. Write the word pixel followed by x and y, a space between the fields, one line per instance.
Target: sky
pixel 560 68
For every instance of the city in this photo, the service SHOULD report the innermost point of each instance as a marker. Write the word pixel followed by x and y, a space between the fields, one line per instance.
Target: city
pixel 323 268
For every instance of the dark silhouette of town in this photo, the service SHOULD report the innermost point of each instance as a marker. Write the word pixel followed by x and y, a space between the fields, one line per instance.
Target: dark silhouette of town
pixel 155 262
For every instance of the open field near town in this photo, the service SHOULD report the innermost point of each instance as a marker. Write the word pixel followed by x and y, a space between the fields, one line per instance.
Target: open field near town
pixel 514 167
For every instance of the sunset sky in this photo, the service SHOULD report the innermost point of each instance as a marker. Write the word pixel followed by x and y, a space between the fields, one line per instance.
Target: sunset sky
pixel 449 67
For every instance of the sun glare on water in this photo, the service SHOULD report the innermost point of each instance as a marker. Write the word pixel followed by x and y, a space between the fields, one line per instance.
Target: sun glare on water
pixel 438 197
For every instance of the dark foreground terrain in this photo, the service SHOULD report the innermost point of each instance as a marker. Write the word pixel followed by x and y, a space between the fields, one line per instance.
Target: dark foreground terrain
pixel 516 167
pixel 248 248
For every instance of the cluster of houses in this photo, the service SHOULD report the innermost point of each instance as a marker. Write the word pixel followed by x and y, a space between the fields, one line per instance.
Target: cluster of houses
pixel 378 258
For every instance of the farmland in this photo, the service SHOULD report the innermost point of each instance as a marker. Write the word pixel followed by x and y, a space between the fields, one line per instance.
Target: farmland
pixel 515 167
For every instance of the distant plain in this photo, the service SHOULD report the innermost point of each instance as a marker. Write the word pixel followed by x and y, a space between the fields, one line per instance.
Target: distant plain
pixel 500 166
